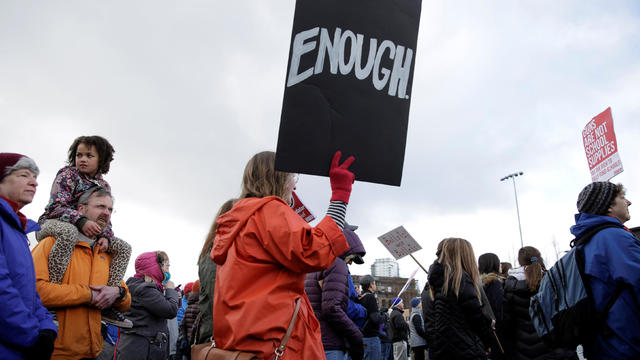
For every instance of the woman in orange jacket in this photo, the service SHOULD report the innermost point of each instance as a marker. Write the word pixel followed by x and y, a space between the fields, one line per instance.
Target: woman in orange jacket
pixel 264 250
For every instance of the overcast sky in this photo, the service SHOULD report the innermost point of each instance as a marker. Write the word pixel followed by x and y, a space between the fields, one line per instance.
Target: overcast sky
pixel 187 92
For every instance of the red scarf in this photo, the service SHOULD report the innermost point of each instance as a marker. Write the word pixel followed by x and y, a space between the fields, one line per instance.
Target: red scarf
pixel 16 208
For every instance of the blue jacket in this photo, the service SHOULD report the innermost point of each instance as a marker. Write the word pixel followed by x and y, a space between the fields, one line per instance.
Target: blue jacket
pixel 613 256
pixel 356 312
pixel 22 315
pixel 182 309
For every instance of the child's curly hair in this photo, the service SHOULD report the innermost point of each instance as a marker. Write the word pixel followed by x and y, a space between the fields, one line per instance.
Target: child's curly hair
pixel 103 147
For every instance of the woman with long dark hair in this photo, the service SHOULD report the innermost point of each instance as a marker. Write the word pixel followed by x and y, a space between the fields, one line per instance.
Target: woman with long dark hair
pixel 489 267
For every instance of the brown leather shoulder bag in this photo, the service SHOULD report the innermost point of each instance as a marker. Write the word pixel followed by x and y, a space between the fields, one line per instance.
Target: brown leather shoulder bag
pixel 209 351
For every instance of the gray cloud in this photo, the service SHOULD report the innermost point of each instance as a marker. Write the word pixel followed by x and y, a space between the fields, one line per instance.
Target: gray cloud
pixel 187 94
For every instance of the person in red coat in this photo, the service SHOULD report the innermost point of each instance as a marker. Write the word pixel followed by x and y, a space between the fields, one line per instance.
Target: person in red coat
pixel 264 251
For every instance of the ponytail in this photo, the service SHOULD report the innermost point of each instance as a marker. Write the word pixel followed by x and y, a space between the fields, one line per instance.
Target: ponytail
pixel 530 258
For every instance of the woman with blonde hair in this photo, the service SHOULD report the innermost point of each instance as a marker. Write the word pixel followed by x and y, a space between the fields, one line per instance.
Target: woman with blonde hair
pixel 264 251
pixel 521 340
pixel 456 325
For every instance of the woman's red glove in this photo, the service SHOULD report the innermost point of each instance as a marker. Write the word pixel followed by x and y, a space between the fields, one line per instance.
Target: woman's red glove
pixel 341 178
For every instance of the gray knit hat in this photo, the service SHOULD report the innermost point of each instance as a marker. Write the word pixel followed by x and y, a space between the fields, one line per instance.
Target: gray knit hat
pixel 596 198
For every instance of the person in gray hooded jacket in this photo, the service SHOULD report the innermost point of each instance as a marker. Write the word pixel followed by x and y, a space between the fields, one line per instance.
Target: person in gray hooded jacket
pixel 153 303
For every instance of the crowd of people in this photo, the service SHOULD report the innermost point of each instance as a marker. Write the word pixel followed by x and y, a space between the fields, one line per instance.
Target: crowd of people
pixel 271 285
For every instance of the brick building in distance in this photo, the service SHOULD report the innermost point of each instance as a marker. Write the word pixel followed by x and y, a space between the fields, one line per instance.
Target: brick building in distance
pixel 389 286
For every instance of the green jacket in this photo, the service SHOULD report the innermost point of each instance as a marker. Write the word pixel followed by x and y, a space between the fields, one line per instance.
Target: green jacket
pixel 207 275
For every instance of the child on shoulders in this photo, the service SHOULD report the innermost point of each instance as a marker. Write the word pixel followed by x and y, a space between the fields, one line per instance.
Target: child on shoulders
pixel 89 158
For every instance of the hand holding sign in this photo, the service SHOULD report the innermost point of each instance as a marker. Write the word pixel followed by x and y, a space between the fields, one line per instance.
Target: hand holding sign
pixel 341 178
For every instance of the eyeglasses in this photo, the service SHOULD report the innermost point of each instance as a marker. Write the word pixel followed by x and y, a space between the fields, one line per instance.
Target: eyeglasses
pixel 103 207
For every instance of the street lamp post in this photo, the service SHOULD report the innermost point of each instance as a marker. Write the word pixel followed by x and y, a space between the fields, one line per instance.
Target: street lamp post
pixel 513 178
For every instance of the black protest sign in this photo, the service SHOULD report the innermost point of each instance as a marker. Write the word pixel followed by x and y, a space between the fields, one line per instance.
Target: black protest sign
pixel 348 87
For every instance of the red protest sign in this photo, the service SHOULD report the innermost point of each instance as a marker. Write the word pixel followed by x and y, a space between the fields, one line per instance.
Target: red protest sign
pixel 301 209
pixel 601 147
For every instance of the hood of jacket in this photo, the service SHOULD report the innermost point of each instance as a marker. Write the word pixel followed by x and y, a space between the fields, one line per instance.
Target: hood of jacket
pixel 232 222
pixel 11 217
pixel 517 273
pixel 194 297
pixel 586 221
pixel 436 275
pixel 355 245
pixel 137 286
pixel 489 278
pixel 147 264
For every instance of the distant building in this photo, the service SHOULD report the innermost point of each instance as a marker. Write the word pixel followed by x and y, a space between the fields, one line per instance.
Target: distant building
pixel 387 267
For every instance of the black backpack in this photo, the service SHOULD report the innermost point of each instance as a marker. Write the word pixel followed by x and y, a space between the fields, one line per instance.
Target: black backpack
pixel 563 311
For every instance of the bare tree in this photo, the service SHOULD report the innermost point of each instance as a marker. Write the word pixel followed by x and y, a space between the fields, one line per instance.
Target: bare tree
pixel 556 250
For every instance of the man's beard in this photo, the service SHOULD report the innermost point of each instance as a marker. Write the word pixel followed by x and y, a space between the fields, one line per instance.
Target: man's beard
pixel 102 221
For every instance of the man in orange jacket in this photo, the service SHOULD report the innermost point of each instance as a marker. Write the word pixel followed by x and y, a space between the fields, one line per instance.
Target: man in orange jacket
pixel 82 294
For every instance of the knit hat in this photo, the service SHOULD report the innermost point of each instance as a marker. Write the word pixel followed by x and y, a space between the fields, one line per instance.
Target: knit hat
pixel 196 287
pixel 396 301
pixel 188 288
pixel 415 302
pixel 596 198
pixel 8 160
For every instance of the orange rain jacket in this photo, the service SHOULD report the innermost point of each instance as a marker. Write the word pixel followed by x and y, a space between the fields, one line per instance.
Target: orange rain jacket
pixel 264 250
pixel 79 333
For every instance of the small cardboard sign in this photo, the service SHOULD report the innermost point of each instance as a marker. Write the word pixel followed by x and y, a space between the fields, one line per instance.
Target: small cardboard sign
pixel 301 209
pixel 399 242
pixel 601 147
pixel 348 87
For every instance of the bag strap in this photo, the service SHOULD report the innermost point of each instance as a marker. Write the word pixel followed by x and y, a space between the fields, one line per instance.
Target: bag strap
pixel 601 316
pixel 195 331
pixel 586 236
pixel 283 344
pixel 366 320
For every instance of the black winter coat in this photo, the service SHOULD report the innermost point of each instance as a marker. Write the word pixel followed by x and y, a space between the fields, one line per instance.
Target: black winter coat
pixel 374 318
pixel 400 328
pixel 456 327
pixel 492 285
pixel 150 308
pixel 520 339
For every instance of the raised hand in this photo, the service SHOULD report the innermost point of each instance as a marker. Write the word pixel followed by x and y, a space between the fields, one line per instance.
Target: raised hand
pixel 341 178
